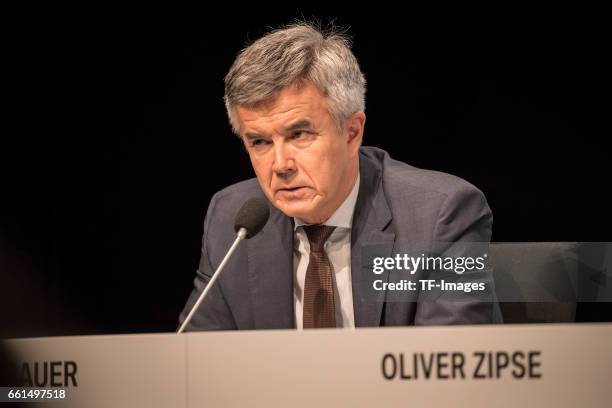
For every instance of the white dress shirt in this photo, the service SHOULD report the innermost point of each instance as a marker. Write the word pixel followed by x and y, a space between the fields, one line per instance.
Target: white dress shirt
pixel 338 249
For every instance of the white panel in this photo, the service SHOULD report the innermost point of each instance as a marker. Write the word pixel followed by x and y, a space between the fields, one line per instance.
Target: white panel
pixel 344 367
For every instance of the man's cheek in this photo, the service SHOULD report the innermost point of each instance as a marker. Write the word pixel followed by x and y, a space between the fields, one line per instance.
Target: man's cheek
pixel 261 173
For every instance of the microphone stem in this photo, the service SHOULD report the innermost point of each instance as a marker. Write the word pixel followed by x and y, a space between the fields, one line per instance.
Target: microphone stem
pixel 242 232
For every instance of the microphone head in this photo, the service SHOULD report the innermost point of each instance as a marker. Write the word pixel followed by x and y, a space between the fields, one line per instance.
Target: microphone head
pixel 252 216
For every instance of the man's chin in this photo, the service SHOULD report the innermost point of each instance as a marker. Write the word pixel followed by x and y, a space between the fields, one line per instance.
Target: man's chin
pixel 295 209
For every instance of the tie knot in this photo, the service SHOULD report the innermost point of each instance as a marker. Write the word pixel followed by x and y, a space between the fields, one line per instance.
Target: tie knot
pixel 317 235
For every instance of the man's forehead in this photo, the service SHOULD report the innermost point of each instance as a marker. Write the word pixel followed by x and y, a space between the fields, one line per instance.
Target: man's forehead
pixel 290 105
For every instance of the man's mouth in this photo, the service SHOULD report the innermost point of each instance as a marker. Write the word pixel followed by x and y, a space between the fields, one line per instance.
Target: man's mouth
pixel 292 193
pixel 291 188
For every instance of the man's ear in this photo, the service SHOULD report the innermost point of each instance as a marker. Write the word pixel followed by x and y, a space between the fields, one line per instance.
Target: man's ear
pixel 355 125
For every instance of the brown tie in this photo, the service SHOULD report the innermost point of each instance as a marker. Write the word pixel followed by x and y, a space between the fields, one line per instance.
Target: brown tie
pixel 319 308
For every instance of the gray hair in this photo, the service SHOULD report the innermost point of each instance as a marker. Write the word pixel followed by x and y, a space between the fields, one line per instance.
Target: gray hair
pixel 290 56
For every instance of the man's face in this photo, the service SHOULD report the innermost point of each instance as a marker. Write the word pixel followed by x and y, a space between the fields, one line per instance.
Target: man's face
pixel 305 165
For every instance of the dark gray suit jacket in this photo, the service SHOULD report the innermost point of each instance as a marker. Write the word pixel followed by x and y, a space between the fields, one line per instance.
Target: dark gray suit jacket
pixel 397 205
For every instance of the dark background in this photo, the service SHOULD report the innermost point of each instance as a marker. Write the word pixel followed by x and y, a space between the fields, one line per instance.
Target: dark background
pixel 117 138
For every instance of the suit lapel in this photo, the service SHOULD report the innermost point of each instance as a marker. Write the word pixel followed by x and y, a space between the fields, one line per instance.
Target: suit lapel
pixel 270 271
pixel 370 221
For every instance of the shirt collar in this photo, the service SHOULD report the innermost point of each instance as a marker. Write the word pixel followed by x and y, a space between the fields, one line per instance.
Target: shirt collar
pixel 343 216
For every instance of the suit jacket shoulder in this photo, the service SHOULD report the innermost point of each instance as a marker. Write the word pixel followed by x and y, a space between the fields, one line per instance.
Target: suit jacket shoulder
pixel 429 205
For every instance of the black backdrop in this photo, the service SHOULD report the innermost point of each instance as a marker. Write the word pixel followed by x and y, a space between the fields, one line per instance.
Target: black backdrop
pixel 118 138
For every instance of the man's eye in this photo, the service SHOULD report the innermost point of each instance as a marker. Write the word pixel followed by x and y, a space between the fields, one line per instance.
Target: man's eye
pixel 299 134
pixel 259 142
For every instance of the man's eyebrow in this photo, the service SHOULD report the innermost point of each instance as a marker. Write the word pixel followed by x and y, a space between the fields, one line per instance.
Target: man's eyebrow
pixel 252 136
pixel 300 124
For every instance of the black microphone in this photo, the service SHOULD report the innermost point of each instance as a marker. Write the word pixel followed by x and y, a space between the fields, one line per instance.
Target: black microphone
pixel 252 216
pixel 250 219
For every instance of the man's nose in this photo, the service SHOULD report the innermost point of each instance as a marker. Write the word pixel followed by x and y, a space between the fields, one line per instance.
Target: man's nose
pixel 284 164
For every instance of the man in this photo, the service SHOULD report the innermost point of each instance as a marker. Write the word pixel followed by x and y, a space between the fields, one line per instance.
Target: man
pixel 296 98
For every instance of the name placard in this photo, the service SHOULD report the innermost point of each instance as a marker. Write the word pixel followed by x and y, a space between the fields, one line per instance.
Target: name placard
pixel 505 366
